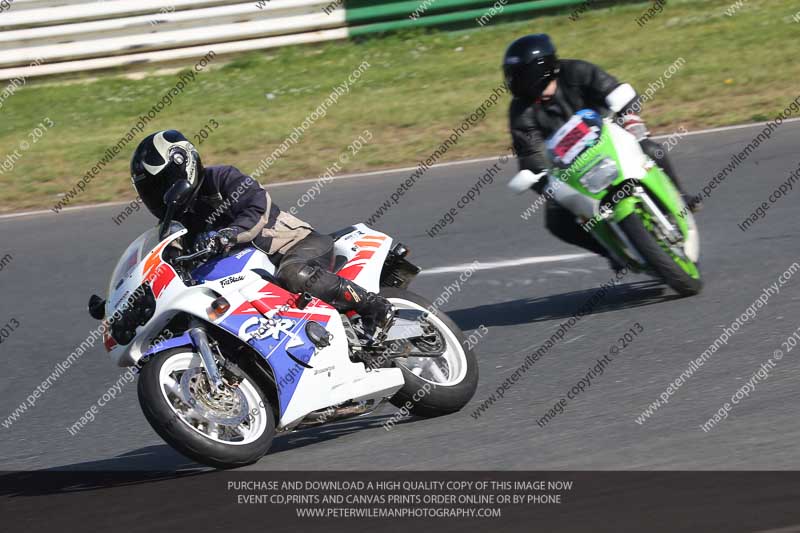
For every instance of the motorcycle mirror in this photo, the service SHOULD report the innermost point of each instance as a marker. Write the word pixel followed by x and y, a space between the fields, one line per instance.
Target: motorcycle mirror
pixel 97 307
pixel 524 180
pixel 178 194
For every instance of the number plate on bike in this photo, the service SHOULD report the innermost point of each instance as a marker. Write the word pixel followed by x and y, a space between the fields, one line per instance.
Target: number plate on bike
pixel 570 140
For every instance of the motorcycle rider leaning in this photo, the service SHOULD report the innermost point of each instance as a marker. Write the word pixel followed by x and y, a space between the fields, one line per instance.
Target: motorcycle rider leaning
pixel 227 209
pixel 547 91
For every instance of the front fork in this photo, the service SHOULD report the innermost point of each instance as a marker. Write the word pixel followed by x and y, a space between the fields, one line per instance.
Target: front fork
pixel 200 340
pixel 656 185
pixel 639 195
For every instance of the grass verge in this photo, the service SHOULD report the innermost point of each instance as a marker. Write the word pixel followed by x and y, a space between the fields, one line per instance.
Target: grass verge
pixel 419 86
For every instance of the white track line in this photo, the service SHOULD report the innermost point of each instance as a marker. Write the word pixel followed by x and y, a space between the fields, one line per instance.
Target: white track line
pixel 378 172
pixel 727 128
pixel 522 261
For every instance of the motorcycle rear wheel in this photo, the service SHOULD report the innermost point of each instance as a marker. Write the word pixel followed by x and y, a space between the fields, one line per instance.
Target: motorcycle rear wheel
pixel 435 386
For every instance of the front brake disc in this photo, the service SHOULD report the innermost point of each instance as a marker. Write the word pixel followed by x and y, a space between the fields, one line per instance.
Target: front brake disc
pixel 228 407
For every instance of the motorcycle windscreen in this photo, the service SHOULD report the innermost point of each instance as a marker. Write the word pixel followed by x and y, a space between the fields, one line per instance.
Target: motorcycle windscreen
pixel 134 254
pixel 272 325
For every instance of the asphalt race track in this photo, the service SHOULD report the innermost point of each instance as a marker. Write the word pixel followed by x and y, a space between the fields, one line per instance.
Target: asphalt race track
pixel 59 260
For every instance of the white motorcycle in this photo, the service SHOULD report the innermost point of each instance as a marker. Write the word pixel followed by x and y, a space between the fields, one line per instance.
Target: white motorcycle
pixel 227 357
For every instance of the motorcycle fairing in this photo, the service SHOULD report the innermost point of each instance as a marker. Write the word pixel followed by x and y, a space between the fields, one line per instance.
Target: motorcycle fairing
pixel 223 267
pixel 364 251
pixel 617 144
pixel 269 322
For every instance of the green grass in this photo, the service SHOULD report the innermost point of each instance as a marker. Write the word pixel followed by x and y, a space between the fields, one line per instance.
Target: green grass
pixel 420 85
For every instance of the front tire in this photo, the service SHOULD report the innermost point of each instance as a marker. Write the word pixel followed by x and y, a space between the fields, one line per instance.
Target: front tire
pixel 165 382
pixel 659 259
pixel 423 394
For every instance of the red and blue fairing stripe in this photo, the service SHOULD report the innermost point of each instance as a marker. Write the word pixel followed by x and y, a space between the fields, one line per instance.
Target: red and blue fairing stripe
pixel 282 340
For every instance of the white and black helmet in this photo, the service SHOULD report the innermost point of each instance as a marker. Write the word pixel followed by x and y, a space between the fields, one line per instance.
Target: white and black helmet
pixel 161 160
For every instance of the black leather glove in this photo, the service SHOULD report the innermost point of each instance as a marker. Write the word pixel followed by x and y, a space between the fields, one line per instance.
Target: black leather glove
pixel 218 242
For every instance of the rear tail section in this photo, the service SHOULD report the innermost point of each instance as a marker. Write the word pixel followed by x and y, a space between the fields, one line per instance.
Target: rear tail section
pixel 361 254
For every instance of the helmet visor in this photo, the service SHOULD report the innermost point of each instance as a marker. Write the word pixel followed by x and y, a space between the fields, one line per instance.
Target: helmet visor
pixel 152 194
pixel 531 79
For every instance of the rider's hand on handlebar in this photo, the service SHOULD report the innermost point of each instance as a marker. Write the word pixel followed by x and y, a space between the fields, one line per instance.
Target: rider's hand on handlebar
pixel 216 242
pixel 634 125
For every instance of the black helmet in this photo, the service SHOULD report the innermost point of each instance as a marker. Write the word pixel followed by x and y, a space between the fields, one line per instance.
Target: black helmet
pixel 529 65
pixel 161 160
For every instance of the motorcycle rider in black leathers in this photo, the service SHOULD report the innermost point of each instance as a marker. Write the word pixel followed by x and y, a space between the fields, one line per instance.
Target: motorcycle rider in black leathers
pixel 227 209
pixel 547 91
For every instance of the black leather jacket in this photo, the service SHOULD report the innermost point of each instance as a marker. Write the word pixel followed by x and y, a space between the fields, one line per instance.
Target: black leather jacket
pixel 581 85
pixel 230 199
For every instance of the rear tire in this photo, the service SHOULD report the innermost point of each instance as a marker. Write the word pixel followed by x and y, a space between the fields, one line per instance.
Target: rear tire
pixel 658 258
pixel 420 396
pixel 180 435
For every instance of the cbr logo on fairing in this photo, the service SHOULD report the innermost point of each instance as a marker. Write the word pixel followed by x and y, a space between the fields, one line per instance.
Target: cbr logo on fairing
pixel 231 280
pixel 270 328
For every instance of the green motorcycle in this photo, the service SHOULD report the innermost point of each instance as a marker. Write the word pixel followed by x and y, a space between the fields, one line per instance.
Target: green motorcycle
pixel 622 198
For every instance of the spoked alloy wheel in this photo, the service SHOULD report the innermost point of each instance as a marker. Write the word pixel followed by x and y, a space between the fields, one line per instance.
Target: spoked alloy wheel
pixel 446 370
pixel 434 385
pixel 222 416
pixel 227 428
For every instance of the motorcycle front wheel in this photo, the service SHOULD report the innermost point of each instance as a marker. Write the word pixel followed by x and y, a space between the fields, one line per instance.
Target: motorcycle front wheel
pixel 223 429
pixel 682 278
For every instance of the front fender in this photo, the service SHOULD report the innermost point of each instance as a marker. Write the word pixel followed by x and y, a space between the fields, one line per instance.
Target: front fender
pixel 176 342
pixel 663 192
pixel 625 208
